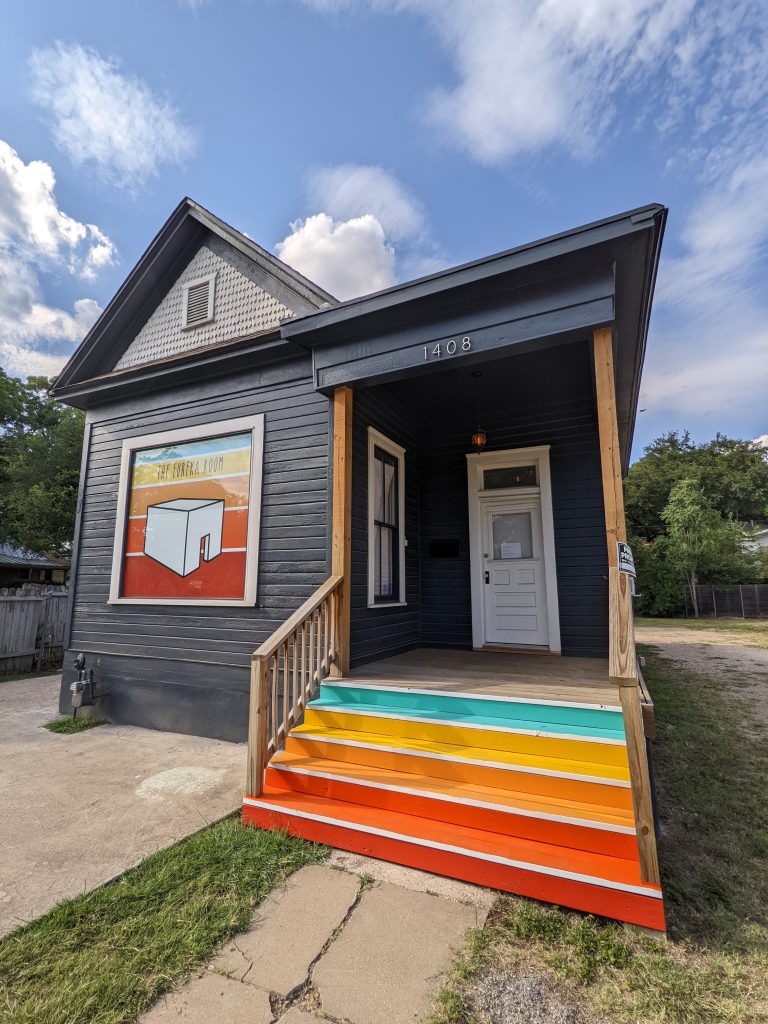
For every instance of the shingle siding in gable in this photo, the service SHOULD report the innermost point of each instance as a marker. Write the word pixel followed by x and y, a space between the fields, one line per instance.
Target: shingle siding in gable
pixel 241 307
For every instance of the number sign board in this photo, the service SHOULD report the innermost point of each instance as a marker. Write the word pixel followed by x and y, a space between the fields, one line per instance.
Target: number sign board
pixel 625 559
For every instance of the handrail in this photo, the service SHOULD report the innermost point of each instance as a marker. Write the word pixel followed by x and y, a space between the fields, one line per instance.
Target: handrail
pixel 285 670
pixel 623 672
pixel 282 633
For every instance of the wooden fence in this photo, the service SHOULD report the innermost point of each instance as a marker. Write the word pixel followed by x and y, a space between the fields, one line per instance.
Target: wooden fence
pixel 32 631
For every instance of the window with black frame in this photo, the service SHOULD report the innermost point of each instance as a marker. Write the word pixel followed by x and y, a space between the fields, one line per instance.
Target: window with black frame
pixel 386 526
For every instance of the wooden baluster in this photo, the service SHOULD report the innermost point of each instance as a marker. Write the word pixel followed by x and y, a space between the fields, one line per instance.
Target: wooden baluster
pixel 311 652
pixel 320 641
pixel 332 644
pixel 303 674
pixel 286 691
pixel 275 683
pixel 295 679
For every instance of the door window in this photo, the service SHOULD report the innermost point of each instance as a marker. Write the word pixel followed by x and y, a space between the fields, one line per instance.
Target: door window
pixel 512 535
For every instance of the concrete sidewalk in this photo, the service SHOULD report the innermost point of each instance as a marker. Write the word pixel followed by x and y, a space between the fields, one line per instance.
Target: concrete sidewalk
pixel 354 940
pixel 79 809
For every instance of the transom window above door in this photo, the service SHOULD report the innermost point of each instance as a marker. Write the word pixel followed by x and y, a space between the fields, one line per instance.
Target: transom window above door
pixel 386 505
pixel 502 477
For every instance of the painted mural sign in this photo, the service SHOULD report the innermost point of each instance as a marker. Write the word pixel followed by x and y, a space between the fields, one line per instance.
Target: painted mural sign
pixel 188 509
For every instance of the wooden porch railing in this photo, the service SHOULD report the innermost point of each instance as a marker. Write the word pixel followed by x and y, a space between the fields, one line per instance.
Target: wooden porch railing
pixel 623 672
pixel 622 657
pixel 285 672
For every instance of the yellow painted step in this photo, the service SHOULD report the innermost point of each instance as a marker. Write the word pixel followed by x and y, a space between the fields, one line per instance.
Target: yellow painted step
pixel 591 752
pixel 337 737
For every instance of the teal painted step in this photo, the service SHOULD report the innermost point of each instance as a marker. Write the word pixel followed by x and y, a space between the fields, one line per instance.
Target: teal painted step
pixel 535 717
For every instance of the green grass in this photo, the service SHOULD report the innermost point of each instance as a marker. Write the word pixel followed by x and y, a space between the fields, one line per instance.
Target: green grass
pixel 747 631
pixel 70 725
pixel 711 760
pixel 104 957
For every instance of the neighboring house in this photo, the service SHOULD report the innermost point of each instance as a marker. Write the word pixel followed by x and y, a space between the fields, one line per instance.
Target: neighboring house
pixel 756 539
pixel 411 500
pixel 19 566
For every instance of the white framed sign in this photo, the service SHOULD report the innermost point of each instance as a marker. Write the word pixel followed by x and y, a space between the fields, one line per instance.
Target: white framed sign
pixel 187 524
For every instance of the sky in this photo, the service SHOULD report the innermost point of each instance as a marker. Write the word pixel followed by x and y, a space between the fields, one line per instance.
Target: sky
pixel 367 142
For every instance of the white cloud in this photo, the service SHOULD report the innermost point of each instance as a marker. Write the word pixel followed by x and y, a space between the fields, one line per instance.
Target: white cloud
pixel 347 258
pixel 353 190
pixel 762 441
pixel 531 74
pixel 103 117
pixel 37 236
pixel 366 232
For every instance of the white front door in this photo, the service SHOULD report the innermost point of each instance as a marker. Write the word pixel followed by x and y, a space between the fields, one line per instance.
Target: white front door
pixel 514 582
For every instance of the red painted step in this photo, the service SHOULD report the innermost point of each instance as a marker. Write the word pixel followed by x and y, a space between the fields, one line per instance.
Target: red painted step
pixel 608 886
pixel 575 826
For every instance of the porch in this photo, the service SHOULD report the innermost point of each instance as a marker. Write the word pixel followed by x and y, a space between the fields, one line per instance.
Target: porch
pixel 520 676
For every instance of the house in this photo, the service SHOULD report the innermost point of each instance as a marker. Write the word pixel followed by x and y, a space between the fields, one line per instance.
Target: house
pixel 19 566
pixel 381 539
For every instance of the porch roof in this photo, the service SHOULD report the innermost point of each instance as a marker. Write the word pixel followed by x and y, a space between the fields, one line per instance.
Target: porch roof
pixel 555 289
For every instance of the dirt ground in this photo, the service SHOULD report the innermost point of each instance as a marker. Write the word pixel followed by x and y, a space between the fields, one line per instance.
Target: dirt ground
pixel 79 809
pixel 713 652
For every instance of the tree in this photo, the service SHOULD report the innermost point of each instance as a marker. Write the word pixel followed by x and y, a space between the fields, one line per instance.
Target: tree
pixel 733 475
pixel 701 544
pixel 40 447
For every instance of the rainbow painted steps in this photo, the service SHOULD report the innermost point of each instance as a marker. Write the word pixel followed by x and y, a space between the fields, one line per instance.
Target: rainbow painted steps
pixel 531 797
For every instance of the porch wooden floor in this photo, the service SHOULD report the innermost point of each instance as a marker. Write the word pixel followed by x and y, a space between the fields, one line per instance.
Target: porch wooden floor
pixel 527 676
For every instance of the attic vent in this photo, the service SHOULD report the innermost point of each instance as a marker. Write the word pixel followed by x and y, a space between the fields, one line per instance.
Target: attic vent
pixel 198 302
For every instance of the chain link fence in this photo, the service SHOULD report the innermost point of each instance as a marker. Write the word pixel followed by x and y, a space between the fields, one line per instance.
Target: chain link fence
pixel 741 601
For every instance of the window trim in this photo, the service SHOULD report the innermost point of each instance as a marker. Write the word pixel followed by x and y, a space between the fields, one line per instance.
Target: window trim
pixel 241 425
pixel 210 280
pixel 379 440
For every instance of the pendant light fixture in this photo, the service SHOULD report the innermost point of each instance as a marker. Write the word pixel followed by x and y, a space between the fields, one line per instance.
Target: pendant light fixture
pixel 479 437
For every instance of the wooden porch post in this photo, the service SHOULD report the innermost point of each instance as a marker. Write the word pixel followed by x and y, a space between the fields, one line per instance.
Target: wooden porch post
pixel 257 726
pixel 341 531
pixel 622 660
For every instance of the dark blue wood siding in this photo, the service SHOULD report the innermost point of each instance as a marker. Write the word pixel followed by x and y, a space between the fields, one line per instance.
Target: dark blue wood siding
pixel 183 667
pixel 383 631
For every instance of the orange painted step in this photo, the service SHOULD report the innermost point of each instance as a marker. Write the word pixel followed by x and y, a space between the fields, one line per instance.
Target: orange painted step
pixel 446 763
pixel 610 887
pixel 574 826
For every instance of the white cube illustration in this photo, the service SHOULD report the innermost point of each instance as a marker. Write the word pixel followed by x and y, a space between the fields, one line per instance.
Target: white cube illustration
pixel 182 531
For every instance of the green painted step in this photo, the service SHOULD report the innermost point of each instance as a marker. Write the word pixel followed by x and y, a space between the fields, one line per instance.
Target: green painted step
pixel 530 716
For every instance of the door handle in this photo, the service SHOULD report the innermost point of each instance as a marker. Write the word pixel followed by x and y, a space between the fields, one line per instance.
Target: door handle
pixel 487 576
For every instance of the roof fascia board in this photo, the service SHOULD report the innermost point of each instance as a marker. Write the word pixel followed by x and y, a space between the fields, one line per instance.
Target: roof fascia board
pixel 156 376
pixel 136 278
pixel 501 263
pixel 287 276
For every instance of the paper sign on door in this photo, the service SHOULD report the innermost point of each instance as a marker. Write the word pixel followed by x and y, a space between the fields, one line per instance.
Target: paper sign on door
pixel 511 549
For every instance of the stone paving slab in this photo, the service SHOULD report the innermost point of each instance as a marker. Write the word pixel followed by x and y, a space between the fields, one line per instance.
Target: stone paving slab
pixel 289 930
pixel 392 956
pixel 297 1016
pixel 211 999
pixel 418 881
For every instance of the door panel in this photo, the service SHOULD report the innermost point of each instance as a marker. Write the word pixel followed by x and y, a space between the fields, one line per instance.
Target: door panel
pixel 514 591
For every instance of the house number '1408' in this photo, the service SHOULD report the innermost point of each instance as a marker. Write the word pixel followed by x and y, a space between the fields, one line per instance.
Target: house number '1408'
pixel 451 348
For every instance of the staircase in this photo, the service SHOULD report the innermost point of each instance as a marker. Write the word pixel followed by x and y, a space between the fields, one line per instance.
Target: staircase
pixel 531 797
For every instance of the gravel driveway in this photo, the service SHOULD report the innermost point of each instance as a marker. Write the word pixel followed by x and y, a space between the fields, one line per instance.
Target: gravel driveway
pixel 742 668
pixel 79 809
